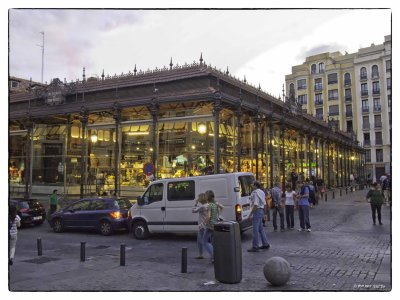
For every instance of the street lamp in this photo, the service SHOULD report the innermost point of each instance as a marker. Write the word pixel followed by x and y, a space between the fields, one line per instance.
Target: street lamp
pixel 202 128
pixel 93 138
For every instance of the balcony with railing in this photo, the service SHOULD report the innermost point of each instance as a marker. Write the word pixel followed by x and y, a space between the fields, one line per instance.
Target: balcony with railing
pixel 363 77
pixel 347 82
pixel 378 142
pixel 378 125
pixel 318 87
pixel 366 126
pixel 333 81
pixel 333 97
pixel 364 93
pixel 365 110
pixel 333 113
pixel 349 113
pixel 376 92
pixel 348 98
pixel 319 116
pixel 367 143
pixel 319 102
pixel 302 87
pixel 377 108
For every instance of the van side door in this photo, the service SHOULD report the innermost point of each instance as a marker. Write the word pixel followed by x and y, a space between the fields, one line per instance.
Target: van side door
pixel 153 209
pixel 181 198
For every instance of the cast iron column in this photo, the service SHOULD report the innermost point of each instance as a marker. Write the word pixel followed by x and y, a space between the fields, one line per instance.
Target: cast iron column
pixel 282 129
pixel 154 108
pixel 216 110
pixel 84 117
pixel 28 158
pixel 256 120
pixel 117 117
pixel 238 114
pixel 271 154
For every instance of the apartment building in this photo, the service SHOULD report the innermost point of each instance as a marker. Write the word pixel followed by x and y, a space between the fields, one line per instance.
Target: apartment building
pixel 352 92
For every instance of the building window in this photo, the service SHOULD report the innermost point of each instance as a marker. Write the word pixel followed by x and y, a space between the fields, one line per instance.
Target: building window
pixel 333 95
pixel 375 88
pixel 375 72
pixel 388 65
pixel 14 84
pixel 319 113
pixel 378 138
pixel 313 69
pixel 349 126
pixel 379 155
pixel 321 68
pixel 349 111
pixel 363 73
pixel 389 83
pixel 334 110
pixel 291 90
pixel 318 84
pixel 378 121
pixel 347 95
pixel 301 84
pixel 302 99
pixel 319 99
pixel 367 139
pixel 366 122
pixel 347 79
pixel 377 104
pixel 332 78
pixel 364 89
pixel 368 155
pixel 365 105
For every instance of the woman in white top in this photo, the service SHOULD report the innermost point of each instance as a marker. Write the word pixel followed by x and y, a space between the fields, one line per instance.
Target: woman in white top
pixel 14 221
pixel 289 206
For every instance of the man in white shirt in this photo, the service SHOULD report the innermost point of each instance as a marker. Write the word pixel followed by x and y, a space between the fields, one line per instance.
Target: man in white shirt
pixel 257 203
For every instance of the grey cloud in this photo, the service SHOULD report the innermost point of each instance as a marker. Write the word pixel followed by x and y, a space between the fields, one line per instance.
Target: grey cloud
pixel 320 49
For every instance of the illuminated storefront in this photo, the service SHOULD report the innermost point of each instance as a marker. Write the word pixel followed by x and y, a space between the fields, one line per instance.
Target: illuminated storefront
pixel 97 135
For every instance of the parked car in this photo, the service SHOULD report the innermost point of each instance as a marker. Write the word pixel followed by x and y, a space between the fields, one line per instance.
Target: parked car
pixel 103 214
pixel 31 211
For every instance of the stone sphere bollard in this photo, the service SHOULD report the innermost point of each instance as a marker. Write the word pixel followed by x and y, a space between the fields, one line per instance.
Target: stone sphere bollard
pixel 277 270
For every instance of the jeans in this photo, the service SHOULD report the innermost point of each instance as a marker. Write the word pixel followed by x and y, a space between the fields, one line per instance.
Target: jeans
pixel 289 210
pixel 207 241
pixel 200 240
pixel 258 229
pixel 13 243
pixel 376 208
pixel 278 210
pixel 304 216
pixel 53 208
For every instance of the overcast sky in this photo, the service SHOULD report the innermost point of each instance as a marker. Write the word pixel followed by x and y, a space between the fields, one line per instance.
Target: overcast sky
pixel 262 45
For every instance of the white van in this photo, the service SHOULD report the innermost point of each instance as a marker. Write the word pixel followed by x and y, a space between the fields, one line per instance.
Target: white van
pixel 167 204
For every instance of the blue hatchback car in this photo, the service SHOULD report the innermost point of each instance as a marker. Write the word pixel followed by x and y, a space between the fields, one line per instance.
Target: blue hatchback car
pixel 103 214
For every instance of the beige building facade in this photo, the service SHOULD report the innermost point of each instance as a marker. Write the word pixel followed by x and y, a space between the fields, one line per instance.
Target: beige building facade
pixel 352 92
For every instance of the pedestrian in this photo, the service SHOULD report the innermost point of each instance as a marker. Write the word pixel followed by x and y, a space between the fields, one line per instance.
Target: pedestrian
pixel 257 203
pixel 279 207
pixel 53 202
pixel 201 208
pixel 14 221
pixel 311 196
pixel 376 199
pixel 303 203
pixel 267 207
pixel 290 195
pixel 212 218
pixel 294 177
pixel 385 187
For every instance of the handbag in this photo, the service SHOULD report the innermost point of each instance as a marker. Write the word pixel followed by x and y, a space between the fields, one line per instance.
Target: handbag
pixel 270 203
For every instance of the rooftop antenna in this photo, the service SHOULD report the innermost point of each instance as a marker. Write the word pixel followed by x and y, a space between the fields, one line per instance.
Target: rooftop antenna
pixel 42 46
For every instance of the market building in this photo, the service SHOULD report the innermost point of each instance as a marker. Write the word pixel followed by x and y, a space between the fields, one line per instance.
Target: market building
pixel 114 134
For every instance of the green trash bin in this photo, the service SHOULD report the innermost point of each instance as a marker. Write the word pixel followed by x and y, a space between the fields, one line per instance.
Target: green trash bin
pixel 227 252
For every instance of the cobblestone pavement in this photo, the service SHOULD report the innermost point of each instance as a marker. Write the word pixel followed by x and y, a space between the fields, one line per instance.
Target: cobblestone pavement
pixel 344 252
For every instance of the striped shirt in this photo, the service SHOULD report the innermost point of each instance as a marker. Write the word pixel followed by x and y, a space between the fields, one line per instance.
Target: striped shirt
pixel 257 197
pixel 13 230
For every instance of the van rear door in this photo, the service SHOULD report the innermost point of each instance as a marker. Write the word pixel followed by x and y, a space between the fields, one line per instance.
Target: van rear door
pixel 245 182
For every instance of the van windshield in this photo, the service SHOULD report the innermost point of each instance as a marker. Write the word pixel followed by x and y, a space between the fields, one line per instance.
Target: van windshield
pixel 245 183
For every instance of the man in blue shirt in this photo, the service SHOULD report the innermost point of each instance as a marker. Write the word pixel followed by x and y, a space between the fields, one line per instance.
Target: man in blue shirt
pixel 304 208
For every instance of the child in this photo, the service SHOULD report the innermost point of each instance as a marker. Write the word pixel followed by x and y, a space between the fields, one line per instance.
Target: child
pixel 14 222
pixel 289 206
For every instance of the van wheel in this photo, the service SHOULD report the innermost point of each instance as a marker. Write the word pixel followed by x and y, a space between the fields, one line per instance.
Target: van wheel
pixel 105 228
pixel 140 230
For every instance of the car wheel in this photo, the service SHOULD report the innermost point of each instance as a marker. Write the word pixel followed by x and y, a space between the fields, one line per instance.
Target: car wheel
pixel 58 226
pixel 140 230
pixel 105 228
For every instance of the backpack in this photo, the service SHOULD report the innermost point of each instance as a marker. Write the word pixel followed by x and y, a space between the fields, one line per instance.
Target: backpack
pixel 213 215
pixel 311 192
